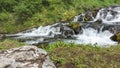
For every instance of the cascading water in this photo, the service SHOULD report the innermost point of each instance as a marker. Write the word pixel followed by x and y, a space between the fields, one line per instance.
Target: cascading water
pixel 47 31
pixel 91 36
pixel 110 15
pixel 107 19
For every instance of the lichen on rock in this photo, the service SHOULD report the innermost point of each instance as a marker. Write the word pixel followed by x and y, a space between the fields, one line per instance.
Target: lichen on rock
pixel 25 57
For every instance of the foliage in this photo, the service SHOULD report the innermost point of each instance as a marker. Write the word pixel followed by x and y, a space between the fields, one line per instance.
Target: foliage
pixel 29 13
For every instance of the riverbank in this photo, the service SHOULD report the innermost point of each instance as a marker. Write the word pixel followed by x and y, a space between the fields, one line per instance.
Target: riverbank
pixel 83 56
pixel 16 16
pixel 72 55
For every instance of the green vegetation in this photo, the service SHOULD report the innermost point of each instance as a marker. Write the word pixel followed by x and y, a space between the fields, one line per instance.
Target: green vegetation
pixel 70 55
pixel 18 15
pixel 66 55
pixel 7 44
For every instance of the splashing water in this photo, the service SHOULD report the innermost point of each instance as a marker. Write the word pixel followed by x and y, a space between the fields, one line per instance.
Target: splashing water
pixel 109 16
pixel 46 31
pixel 91 36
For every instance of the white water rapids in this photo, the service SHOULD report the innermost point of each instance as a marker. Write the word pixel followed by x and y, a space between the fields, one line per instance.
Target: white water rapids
pixel 91 36
pixel 109 16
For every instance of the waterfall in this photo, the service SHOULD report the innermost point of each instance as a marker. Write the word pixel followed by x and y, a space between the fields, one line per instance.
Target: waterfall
pixel 109 15
pixel 92 36
pixel 95 30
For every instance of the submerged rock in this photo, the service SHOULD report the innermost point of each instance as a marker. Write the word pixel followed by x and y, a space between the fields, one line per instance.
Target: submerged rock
pixel 25 57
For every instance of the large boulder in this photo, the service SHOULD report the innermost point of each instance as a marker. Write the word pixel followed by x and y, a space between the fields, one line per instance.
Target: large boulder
pixel 25 57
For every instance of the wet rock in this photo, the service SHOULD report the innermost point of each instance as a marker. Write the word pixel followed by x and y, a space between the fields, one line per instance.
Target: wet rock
pixel 97 26
pixel 88 16
pixel 114 29
pixel 94 12
pixel 25 57
pixel 77 27
pixel 67 32
pixel 79 18
pixel 116 37
pixel 2 36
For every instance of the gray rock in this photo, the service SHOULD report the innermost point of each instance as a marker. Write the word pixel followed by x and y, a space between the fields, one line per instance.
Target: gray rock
pixel 1 36
pixel 25 57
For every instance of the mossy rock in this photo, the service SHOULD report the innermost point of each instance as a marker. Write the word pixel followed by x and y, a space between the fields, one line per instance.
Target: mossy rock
pixel 74 25
pixel 94 12
pixel 118 37
pixel 88 17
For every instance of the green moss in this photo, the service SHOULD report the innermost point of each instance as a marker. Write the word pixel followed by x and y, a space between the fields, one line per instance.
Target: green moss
pixel 74 25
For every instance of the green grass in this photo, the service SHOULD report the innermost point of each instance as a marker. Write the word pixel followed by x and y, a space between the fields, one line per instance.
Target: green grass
pixel 26 14
pixel 70 55
pixel 7 44
pixel 66 55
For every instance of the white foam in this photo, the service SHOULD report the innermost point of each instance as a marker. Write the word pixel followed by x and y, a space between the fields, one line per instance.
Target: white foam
pixel 106 16
pixel 91 36
pixel 46 31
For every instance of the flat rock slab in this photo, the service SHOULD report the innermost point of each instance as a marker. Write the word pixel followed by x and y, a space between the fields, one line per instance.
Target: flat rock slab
pixel 25 57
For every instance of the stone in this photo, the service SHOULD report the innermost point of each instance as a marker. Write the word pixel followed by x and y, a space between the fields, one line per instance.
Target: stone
pixel 2 36
pixel 77 27
pixel 116 37
pixel 88 16
pixel 25 57
pixel 115 29
pixel 67 32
